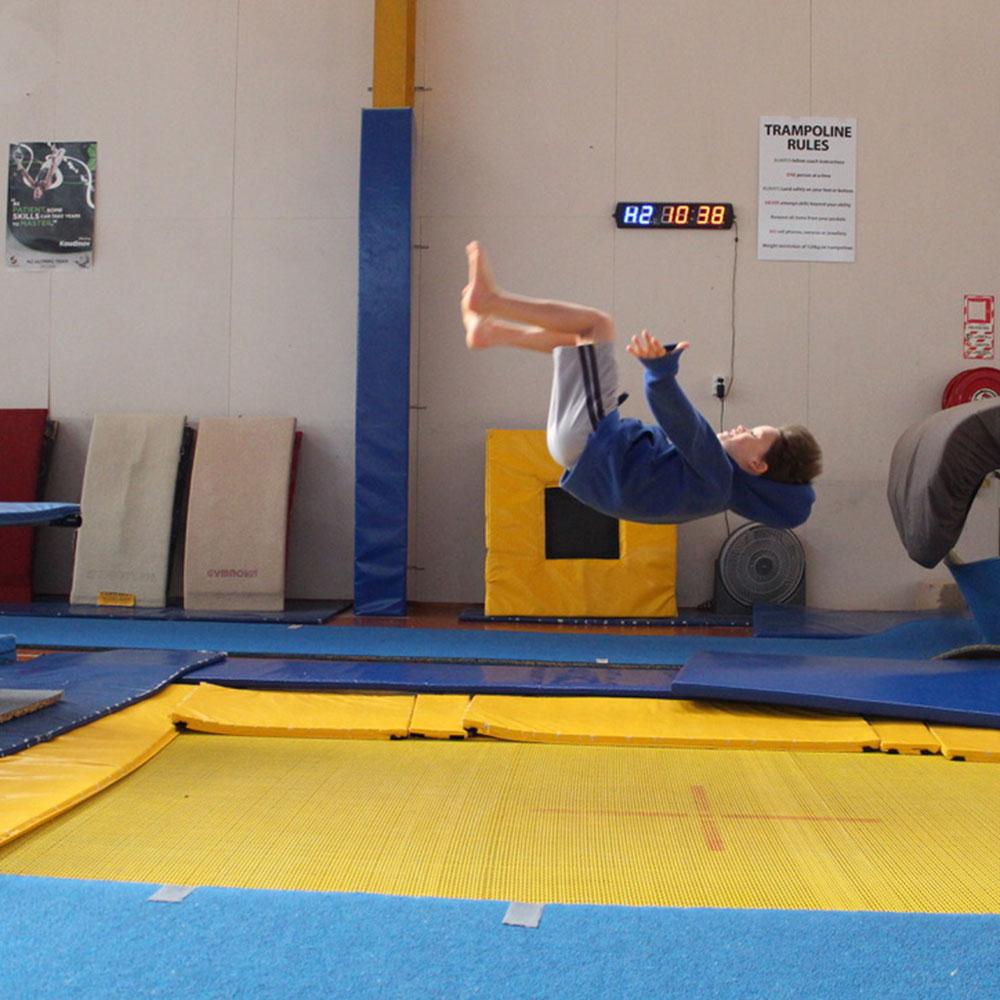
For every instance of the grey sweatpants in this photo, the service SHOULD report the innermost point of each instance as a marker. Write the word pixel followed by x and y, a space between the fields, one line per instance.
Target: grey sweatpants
pixel 584 389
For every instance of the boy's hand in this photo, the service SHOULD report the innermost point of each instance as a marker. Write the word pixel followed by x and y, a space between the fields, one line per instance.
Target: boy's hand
pixel 645 346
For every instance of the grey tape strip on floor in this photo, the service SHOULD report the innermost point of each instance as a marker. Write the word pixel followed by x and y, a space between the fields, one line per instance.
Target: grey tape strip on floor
pixel 171 894
pixel 523 914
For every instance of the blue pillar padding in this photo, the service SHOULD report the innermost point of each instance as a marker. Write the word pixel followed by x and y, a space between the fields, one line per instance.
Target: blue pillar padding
pixel 382 413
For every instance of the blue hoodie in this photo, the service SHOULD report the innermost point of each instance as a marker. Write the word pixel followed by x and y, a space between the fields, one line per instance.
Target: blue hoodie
pixel 677 471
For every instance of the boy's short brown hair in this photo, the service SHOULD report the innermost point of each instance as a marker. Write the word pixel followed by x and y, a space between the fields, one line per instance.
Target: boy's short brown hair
pixel 795 457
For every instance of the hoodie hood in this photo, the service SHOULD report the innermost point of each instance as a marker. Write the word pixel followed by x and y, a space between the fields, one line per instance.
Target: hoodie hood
pixel 778 505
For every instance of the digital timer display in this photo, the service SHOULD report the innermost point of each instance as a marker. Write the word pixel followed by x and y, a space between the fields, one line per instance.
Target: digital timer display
pixel 674 215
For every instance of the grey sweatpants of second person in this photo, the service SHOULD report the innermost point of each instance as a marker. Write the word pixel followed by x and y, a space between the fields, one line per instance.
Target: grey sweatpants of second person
pixel 584 390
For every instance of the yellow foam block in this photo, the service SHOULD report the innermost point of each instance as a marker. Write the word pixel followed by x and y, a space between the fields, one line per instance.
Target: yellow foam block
pixel 901 736
pixel 663 722
pixel 216 709
pixel 968 743
pixel 439 716
pixel 50 778
pixel 486 819
pixel 519 578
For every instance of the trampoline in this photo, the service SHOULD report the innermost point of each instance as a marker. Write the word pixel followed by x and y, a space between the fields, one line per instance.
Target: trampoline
pixel 549 824
pixel 311 785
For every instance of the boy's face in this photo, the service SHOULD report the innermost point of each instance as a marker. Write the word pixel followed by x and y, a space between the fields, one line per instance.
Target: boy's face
pixel 747 446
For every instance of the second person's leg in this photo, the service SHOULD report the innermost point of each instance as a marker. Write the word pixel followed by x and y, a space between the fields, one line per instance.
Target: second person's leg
pixel 482 296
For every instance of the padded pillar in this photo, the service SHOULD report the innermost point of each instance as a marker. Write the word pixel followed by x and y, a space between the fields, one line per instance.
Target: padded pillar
pixel 394 53
pixel 382 426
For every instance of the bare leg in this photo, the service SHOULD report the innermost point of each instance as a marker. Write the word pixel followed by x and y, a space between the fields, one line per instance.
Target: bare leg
pixel 481 297
pixel 487 331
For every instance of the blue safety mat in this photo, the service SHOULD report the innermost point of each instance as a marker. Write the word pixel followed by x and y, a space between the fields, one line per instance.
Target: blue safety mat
pixel 796 622
pixel 38 513
pixel 957 692
pixel 911 640
pixel 93 685
pixel 979 583
pixel 685 618
pixel 72 938
pixel 438 678
pixel 295 613
pixel 8 648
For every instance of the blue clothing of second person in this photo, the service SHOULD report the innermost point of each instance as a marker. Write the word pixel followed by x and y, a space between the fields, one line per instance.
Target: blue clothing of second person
pixel 675 470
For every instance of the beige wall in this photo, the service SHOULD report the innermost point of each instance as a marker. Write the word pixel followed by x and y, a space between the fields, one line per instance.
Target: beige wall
pixel 225 275
pixel 548 113
pixel 225 259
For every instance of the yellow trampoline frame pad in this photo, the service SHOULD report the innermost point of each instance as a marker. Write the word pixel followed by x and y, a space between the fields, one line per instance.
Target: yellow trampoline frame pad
pixel 49 779
pixel 521 581
pixel 541 823
pixel 245 712
pixel 665 722
pixel 968 743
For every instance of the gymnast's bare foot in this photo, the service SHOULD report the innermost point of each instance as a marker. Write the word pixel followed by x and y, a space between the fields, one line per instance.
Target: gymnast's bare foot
pixel 478 328
pixel 481 290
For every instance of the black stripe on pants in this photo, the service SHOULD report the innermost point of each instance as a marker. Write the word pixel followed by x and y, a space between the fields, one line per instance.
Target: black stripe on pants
pixel 591 384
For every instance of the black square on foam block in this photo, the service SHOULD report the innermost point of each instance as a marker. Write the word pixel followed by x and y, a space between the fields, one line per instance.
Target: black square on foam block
pixel 575 531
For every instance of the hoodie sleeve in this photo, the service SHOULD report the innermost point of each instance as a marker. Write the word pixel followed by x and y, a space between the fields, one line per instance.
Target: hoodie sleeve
pixel 689 431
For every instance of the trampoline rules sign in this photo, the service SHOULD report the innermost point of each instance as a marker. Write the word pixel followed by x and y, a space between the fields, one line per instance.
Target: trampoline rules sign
pixel 806 201
pixel 50 204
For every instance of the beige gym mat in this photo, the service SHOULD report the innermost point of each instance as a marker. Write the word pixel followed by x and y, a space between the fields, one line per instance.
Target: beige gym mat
pixel 234 555
pixel 127 504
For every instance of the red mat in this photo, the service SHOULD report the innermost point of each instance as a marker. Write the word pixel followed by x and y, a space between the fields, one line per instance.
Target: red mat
pixel 22 435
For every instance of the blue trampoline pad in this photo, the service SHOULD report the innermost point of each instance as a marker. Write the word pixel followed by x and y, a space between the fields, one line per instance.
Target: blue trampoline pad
pixel 957 692
pixel 438 678
pixel 787 621
pixel 38 513
pixel 93 685
pixel 913 639
pixel 295 613
pixel 8 648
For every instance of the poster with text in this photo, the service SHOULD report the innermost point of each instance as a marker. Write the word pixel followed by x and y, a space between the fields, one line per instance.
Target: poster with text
pixel 50 204
pixel 806 199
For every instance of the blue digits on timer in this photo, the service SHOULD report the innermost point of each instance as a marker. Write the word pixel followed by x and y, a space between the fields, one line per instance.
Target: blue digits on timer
pixel 638 215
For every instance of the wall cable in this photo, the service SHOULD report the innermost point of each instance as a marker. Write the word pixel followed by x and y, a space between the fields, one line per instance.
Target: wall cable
pixel 732 347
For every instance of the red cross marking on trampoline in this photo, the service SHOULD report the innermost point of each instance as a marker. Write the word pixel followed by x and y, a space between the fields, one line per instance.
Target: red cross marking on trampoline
pixel 709 818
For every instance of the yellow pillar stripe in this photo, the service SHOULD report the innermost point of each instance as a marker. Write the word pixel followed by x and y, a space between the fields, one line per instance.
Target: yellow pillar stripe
pixel 395 30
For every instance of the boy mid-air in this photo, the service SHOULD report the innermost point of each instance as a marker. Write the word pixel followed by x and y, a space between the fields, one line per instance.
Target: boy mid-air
pixel 669 472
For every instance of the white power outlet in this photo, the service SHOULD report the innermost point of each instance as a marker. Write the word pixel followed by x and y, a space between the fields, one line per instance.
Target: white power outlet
pixel 720 386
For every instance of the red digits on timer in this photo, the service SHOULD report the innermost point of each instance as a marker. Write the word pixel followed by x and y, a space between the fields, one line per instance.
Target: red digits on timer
pixel 711 215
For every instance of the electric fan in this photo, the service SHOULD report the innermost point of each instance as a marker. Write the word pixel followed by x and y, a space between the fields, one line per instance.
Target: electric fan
pixel 759 565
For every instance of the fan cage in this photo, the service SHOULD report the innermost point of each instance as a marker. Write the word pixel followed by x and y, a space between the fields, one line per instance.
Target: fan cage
pixel 761 565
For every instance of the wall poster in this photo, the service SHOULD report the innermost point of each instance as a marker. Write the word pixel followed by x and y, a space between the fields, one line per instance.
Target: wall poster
pixel 50 204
